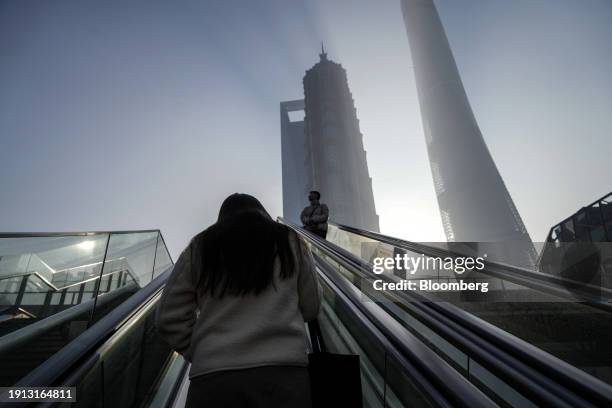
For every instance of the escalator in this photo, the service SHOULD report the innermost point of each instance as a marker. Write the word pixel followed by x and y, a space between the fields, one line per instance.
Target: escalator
pixel 411 353
pixel 538 308
pixel 552 341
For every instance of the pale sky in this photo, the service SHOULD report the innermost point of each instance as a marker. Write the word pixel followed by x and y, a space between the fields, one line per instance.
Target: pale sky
pixel 137 115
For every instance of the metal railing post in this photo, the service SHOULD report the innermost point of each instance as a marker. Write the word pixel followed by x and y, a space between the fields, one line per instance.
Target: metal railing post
pixel 98 282
pixel 155 256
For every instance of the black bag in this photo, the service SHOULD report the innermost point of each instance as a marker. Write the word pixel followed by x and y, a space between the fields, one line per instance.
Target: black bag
pixel 335 379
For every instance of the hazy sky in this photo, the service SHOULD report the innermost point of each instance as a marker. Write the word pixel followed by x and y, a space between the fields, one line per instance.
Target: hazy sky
pixel 132 115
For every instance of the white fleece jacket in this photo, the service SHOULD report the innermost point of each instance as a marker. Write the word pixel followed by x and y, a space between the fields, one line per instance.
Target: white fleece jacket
pixel 239 332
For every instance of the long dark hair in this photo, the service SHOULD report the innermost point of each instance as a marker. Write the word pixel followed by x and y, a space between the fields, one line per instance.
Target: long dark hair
pixel 239 251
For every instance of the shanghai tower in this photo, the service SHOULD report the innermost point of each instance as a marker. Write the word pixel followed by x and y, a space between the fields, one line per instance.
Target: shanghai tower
pixel 474 202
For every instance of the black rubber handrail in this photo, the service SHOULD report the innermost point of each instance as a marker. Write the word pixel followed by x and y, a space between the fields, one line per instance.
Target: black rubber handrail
pixel 501 352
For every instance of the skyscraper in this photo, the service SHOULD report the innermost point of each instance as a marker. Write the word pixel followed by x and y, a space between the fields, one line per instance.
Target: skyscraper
pixel 475 205
pixel 328 156
pixel 295 167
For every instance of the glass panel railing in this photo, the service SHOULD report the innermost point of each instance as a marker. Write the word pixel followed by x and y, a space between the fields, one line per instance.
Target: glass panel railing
pixel 128 266
pixel 41 276
pixel 173 385
pixel 162 257
pixel 51 285
pixel 576 332
pixel 127 372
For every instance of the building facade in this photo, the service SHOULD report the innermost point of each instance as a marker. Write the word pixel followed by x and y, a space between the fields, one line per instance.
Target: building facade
pixel 295 169
pixel 578 248
pixel 592 223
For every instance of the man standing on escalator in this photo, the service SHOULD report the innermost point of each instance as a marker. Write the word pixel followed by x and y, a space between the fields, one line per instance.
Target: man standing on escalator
pixel 314 217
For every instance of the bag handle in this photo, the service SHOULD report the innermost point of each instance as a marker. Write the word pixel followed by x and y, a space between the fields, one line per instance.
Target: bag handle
pixel 316 337
pixel 314 209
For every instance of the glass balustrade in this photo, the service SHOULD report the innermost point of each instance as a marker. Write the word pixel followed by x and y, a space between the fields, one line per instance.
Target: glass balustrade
pixel 54 286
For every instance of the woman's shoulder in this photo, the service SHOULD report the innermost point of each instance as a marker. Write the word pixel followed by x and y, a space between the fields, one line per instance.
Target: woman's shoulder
pixel 296 243
pixel 292 236
pixel 198 240
pixel 200 235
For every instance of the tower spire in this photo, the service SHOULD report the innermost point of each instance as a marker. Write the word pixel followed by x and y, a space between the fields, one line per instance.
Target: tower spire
pixel 323 54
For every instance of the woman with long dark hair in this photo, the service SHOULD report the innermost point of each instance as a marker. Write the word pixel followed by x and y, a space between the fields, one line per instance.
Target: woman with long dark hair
pixel 235 307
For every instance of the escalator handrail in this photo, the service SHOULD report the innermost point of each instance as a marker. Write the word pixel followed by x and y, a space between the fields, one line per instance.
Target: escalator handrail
pixel 551 284
pixel 435 377
pixel 61 363
pixel 569 380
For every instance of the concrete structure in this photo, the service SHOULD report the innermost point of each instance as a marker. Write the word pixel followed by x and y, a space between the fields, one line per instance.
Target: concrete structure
pixel 295 167
pixel 475 205
pixel 325 151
